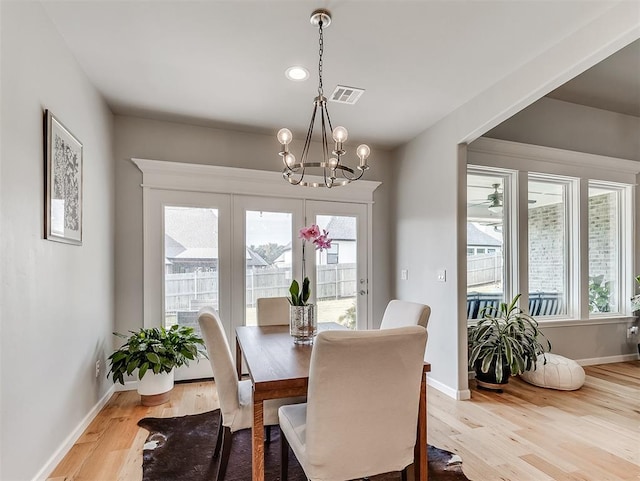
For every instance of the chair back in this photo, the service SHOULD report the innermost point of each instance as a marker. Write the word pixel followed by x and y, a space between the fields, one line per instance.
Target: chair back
pixel 224 371
pixel 404 313
pixel 272 311
pixel 362 401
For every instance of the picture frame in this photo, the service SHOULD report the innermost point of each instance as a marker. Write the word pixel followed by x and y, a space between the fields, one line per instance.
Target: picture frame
pixel 63 182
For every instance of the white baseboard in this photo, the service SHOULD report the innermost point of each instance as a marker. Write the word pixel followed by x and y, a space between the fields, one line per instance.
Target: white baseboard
pixel 458 395
pixel 60 453
pixel 607 359
pixel 128 386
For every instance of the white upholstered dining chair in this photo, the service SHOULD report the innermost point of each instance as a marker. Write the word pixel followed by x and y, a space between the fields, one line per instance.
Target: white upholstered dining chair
pixel 362 404
pixel 235 397
pixel 272 311
pixel 405 313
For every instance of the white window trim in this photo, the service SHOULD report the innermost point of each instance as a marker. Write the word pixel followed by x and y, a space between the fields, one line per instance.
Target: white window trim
pixel 486 155
pixel 160 174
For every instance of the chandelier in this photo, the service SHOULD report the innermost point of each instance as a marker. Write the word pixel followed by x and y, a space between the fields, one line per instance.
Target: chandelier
pixel 334 172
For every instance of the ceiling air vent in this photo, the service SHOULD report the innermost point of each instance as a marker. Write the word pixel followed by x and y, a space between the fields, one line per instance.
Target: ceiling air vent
pixel 346 95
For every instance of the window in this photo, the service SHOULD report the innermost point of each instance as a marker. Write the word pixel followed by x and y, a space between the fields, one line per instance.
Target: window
pixel 333 253
pixel 548 246
pixel 570 246
pixel 485 238
pixel 604 248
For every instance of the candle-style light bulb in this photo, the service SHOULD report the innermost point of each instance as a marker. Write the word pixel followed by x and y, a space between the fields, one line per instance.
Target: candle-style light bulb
pixel 290 159
pixel 340 134
pixel 363 151
pixel 284 136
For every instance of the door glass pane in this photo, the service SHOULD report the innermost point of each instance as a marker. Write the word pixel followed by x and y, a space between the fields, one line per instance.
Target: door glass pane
pixel 604 250
pixel 268 258
pixel 548 248
pixel 336 271
pixel 485 239
pixel 191 263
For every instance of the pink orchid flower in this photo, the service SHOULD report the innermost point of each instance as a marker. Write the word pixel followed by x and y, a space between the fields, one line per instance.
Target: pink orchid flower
pixel 309 233
pixel 323 241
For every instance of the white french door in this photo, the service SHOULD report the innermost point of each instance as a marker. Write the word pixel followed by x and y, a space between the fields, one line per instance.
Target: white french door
pixel 187 245
pixel 340 274
pixel 265 251
pixel 267 247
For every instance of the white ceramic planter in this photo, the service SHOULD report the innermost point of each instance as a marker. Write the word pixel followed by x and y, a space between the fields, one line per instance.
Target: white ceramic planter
pixel 155 389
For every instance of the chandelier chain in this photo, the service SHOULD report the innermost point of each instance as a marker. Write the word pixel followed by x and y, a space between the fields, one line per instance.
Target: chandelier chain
pixel 320 52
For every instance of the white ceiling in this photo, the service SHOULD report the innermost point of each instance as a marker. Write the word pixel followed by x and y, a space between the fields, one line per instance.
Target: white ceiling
pixel 222 63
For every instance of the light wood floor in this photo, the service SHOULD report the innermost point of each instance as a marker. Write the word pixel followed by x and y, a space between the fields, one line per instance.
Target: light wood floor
pixel 523 434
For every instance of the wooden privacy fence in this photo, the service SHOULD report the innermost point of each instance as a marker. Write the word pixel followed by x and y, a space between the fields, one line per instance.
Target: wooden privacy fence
pixel 190 291
pixel 484 269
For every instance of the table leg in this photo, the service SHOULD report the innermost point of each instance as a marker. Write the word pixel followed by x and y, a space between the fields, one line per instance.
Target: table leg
pixel 420 454
pixel 257 433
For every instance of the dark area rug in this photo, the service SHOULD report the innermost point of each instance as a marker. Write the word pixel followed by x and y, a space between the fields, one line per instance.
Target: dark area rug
pixel 181 448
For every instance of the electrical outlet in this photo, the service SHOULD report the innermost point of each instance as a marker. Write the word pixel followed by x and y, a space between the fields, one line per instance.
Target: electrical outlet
pixel 404 274
pixel 98 368
pixel 442 275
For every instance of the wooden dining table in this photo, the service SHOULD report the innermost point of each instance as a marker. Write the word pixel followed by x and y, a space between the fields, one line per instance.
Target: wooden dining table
pixel 278 368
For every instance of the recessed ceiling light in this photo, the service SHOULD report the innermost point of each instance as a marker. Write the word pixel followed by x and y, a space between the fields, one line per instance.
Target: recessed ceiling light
pixel 297 73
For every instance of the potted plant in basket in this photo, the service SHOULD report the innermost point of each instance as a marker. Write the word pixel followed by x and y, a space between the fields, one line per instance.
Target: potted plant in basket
pixel 302 320
pixel 503 343
pixel 155 353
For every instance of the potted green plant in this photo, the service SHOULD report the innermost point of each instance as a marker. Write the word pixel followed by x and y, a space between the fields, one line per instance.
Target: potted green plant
pixel 155 353
pixel 504 342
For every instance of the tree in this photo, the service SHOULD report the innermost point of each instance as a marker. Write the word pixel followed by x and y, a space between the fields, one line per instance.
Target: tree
pixel 269 252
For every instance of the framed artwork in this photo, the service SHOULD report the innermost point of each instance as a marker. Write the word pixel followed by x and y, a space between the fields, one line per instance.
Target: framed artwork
pixel 63 180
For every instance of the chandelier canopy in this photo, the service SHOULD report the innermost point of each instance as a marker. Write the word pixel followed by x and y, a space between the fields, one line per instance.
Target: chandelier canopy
pixel 333 171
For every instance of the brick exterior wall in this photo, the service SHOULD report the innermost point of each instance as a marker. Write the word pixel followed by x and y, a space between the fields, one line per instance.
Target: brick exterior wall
pixel 546 242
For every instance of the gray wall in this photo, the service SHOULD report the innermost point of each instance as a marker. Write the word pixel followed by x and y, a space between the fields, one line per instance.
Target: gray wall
pixel 56 302
pixel 429 192
pixel 158 140
pixel 563 125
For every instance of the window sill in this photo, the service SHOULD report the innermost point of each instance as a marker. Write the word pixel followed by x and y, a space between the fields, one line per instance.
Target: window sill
pixel 619 319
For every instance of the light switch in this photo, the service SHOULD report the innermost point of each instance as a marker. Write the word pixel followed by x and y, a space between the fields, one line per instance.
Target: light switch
pixel 404 274
pixel 442 275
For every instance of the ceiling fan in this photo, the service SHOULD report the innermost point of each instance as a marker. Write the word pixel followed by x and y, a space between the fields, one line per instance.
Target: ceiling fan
pixel 493 200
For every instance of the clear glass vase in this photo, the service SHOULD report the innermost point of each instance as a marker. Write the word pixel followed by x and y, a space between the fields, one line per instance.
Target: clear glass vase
pixel 302 323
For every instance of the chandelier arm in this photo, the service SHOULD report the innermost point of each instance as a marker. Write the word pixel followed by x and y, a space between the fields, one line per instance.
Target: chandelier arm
pixel 326 111
pixel 307 140
pixel 325 146
pixel 354 178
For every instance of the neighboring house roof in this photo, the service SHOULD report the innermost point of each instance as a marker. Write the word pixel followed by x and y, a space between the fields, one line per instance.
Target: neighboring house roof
pixel 172 247
pixel 475 237
pixel 254 259
pixel 342 228
pixel 198 253
pixel 191 227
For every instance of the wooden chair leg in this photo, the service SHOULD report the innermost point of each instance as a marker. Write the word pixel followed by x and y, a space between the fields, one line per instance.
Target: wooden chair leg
pixel 216 450
pixel 226 451
pixel 403 474
pixel 284 457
